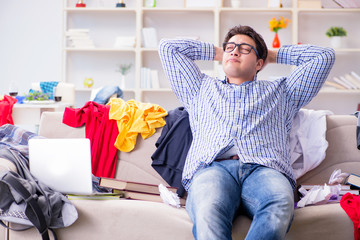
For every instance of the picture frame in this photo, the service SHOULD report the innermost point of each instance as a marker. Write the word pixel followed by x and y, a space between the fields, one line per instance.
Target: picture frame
pixel 274 3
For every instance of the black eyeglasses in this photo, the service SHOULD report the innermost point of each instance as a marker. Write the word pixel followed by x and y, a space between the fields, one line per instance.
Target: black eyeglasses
pixel 243 48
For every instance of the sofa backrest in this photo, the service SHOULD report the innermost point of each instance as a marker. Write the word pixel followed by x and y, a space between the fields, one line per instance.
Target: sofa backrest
pixel 342 152
pixel 133 166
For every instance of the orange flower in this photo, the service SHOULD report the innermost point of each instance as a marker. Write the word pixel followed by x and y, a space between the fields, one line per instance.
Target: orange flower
pixel 277 24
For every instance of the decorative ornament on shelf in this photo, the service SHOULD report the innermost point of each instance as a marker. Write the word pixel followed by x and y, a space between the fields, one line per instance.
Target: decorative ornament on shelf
pixel 150 3
pixel 275 25
pixel 88 82
pixel 80 3
pixel 123 69
pixel 235 3
pixel 120 4
pixel 336 35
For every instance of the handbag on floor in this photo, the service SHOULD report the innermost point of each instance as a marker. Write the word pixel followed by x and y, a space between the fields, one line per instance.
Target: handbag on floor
pixel 19 203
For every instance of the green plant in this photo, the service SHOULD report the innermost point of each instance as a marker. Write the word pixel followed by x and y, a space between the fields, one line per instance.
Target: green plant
pixel 124 68
pixel 336 31
pixel 37 96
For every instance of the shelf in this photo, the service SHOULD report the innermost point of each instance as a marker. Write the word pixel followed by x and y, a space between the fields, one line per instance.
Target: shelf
pixel 156 90
pixel 210 24
pixel 178 9
pixel 329 10
pixel 77 10
pixel 229 9
pixel 340 91
pixel 100 49
pixel 90 89
pixel 347 50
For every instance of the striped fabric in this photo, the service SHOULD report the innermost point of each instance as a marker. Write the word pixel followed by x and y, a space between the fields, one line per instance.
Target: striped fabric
pixel 254 117
pixel 48 87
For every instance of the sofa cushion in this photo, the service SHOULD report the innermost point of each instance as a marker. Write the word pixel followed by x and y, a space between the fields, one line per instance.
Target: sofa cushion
pixel 122 219
pixel 136 165
pixel 132 219
pixel 51 126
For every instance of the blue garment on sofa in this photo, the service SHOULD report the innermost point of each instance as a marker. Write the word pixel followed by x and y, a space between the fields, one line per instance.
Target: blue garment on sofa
pixel 103 96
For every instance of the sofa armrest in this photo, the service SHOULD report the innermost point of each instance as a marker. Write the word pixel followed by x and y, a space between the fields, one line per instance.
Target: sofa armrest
pixel 51 126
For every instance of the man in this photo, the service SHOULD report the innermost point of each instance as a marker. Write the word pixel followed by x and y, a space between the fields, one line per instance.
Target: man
pixel 239 157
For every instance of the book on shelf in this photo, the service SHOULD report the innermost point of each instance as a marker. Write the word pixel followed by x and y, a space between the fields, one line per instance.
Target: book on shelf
pixel 149 78
pixel 340 3
pixel 154 75
pixel 131 186
pixel 347 81
pixel 79 38
pixel 355 75
pixel 343 82
pixel 150 39
pixel 335 85
pixel 353 80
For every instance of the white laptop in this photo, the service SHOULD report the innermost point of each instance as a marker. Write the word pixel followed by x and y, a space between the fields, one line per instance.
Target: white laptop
pixel 62 164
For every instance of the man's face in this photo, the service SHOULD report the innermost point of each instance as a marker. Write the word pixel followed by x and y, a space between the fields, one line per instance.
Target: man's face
pixel 238 65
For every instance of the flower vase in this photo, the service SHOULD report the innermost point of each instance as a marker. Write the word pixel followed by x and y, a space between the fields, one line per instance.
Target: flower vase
pixel 122 82
pixel 276 41
pixel 336 42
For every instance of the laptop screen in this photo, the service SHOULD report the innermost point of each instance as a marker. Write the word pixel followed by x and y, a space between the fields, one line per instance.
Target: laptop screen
pixel 62 164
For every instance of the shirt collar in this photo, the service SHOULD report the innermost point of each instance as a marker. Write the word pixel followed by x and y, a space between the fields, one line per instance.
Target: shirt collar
pixel 245 83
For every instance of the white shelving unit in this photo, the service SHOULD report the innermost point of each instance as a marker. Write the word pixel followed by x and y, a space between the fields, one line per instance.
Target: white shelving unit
pixel 172 19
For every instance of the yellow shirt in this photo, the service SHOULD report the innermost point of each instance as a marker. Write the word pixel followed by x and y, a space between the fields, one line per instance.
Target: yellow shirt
pixel 135 117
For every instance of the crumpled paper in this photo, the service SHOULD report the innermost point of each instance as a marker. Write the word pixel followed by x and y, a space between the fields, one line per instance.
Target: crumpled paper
pixel 318 195
pixel 168 197
pixel 321 194
pixel 337 177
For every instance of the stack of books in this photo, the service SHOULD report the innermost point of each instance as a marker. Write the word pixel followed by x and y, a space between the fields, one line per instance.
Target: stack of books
pixel 149 78
pixel 354 181
pixel 79 38
pixel 348 81
pixel 136 190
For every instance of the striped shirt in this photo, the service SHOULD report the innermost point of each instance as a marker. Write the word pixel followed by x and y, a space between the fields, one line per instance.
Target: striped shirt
pixel 254 117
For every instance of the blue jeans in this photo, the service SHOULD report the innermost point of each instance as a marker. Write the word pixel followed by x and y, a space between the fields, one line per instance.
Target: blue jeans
pixel 103 96
pixel 220 191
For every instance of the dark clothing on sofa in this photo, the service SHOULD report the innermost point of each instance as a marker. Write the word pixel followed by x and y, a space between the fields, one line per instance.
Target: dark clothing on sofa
pixel 172 148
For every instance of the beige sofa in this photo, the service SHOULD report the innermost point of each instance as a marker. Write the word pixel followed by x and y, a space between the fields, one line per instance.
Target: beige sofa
pixel 132 219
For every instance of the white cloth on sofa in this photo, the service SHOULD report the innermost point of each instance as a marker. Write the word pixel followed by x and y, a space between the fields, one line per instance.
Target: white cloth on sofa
pixel 307 140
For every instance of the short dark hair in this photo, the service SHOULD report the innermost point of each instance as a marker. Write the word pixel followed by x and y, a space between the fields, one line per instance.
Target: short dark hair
pixel 249 31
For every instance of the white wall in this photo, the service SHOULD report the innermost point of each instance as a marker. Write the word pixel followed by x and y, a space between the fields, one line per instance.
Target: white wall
pixel 30 42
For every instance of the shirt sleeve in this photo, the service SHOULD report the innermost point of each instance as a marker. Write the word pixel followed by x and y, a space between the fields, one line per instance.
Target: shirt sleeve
pixel 178 58
pixel 75 117
pixel 313 67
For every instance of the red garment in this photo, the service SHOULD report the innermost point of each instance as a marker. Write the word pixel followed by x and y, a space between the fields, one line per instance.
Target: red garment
pixel 6 106
pixel 351 204
pixel 102 133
